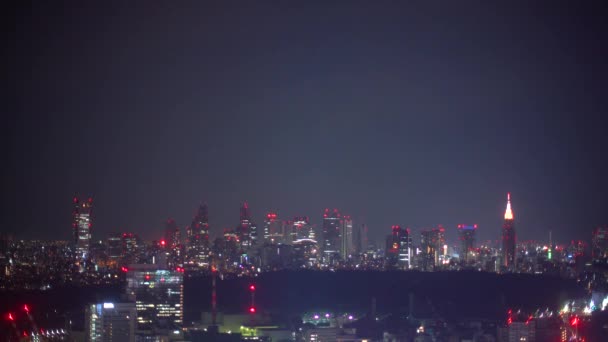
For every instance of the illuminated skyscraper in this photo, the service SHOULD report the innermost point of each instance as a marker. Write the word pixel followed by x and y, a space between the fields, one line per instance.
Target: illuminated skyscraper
pixel 171 243
pixel 432 244
pixel 159 299
pixel 466 235
pixel 198 247
pixel 245 229
pixel 331 235
pixel 508 237
pixel 81 224
pixel 346 238
pixel 300 228
pixel 399 248
pixel 273 228
pixel 110 322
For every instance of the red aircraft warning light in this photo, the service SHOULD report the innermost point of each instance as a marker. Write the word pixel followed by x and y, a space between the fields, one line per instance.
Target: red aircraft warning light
pixel 252 287
pixel 26 308
pixel 10 317
pixel 252 310
pixel 574 321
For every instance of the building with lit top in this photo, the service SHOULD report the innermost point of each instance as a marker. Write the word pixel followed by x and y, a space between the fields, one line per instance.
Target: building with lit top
pixel 331 235
pixel 273 228
pixel 398 251
pixel 300 228
pixel 81 225
pixel 110 322
pixel 508 238
pixel 466 236
pixel 159 299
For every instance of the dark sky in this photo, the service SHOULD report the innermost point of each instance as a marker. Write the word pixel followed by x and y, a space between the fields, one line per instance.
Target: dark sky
pixel 415 114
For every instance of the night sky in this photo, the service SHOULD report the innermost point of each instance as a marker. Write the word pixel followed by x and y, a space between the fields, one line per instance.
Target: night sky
pixel 413 114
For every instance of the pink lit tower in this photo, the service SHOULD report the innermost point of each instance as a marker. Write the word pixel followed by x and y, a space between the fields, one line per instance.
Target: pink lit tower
pixel 508 237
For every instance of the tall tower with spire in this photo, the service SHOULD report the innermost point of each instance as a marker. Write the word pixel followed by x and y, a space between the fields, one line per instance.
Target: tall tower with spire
pixel 508 237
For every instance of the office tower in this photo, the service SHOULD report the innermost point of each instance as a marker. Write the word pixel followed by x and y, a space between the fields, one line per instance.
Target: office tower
pixel 331 235
pixel 508 237
pixel 398 251
pixel 244 229
pixel 130 248
pixel 346 241
pixel 599 243
pixel 81 224
pixel 273 228
pixel 300 228
pixel 114 249
pixel 466 235
pixel 110 322
pixel 158 297
pixel 198 247
pixel 432 244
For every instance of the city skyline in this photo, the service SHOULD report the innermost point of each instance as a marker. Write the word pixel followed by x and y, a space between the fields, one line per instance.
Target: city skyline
pixel 396 114
pixel 159 232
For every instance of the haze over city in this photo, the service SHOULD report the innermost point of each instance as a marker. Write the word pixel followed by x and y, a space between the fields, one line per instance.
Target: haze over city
pixel 396 114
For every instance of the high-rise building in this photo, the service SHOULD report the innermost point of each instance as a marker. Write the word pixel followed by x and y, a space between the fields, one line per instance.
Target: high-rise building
pixel 300 228
pixel 508 237
pixel 599 243
pixel 130 248
pixel 399 248
pixel 346 241
pixel 432 244
pixel 171 243
pixel 159 299
pixel 198 247
pixel 273 232
pixel 81 224
pixel 110 322
pixel 244 230
pixel 466 235
pixel 331 235
pixel 114 244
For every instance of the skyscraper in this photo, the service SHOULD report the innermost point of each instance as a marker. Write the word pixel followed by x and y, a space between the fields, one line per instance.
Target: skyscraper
pixel 81 224
pixel 466 235
pixel 300 228
pixel 346 241
pixel 110 322
pixel 272 228
pixel 432 244
pixel 198 247
pixel 244 230
pixel 399 248
pixel 159 299
pixel 331 235
pixel 360 239
pixel 508 237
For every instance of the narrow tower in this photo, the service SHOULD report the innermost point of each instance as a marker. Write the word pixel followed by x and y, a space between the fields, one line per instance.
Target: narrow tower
pixel 508 237
pixel 81 224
